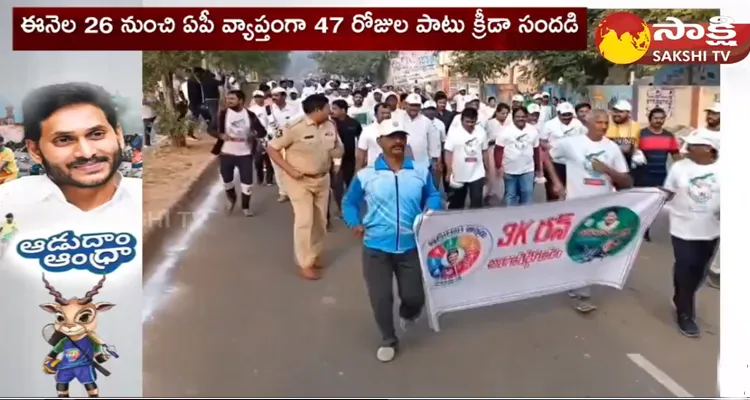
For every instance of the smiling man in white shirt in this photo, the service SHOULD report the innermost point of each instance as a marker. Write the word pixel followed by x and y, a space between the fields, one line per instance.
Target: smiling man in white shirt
pixel 281 113
pixel 424 138
pixel 563 126
pixel 517 153
pixel 467 161
pixel 368 148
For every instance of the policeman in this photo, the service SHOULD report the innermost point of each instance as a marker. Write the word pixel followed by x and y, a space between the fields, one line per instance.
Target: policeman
pixel 310 143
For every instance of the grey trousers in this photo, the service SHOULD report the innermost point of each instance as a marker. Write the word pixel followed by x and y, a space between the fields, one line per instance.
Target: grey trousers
pixel 379 268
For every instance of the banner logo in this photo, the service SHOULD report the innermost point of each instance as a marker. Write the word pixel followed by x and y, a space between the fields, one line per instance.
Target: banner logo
pixel 602 234
pixel 456 252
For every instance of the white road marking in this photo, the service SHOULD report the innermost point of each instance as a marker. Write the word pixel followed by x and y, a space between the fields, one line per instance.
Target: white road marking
pixel 157 289
pixel 659 375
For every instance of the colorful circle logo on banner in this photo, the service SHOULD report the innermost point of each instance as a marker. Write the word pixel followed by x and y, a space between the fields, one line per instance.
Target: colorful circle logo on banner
pixel 622 38
pixel 456 252
pixel 603 234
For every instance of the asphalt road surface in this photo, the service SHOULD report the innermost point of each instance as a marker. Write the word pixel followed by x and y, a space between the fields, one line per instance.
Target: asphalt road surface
pixel 227 315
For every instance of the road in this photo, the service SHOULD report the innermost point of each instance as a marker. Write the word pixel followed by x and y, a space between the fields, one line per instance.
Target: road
pixel 228 316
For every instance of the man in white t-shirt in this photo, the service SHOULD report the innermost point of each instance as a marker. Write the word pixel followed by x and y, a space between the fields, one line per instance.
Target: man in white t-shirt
pixel 594 165
pixel 368 148
pixel 694 221
pixel 470 101
pixel 554 131
pixel 423 139
pixel 467 161
pixel 238 133
pixel 282 112
pixel 517 154
pixel 459 100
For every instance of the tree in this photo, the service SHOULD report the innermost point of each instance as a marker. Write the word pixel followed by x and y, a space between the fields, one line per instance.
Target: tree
pixel 354 64
pixel 581 68
pixel 483 65
pixel 265 63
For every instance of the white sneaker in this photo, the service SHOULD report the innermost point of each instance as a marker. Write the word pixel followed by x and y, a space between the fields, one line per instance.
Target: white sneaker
pixel 248 213
pixel 386 353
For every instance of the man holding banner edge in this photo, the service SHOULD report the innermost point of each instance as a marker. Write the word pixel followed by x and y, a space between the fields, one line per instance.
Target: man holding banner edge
pixel 594 165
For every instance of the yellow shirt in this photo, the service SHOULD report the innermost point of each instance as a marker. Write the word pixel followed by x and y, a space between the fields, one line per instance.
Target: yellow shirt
pixel 11 169
pixel 8 230
pixel 628 133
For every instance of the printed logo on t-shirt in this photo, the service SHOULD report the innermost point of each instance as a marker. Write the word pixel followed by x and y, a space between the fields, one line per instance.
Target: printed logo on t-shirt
pixel 700 190
pixel 471 149
pixel 72 355
pixel 522 142
pixel 594 178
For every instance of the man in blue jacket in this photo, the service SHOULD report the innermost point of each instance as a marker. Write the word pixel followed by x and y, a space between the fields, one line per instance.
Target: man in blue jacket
pixel 396 190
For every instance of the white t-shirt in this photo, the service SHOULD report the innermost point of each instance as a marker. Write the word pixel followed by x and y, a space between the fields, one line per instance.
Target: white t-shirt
pixel 693 212
pixel 260 112
pixel 237 127
pixel 439 127
pixel 577 153
pixel 494 128
pixel 423 139
pixel 467 149
pixel 554 130
pixel 460 103
pixel 518 149
pixel 368 141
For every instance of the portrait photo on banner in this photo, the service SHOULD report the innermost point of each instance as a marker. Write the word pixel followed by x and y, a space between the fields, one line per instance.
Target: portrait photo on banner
pixel 70 235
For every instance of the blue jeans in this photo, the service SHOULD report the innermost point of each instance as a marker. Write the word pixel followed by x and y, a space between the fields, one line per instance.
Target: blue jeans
pixel 519 189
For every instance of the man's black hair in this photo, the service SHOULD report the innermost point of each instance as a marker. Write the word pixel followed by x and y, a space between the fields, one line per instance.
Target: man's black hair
pixel 379 105
pixel 314 102
pixel 470 113
pixel 264 88
pixel 42 102
pixel 580 106
pixel 501 107
pixel 360 92
pixel 9 215
pixel 656 110
pixel 2 139
pixel 403 97
pixel 521 109
pixel 239 93
pixel 440 95
pixel 491 98
pixel 342 104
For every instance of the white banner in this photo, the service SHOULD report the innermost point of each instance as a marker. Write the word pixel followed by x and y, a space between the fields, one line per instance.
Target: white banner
pixel 477 258
pixel 415 67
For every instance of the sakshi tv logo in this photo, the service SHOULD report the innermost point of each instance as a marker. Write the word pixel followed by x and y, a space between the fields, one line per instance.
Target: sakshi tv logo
pixel 624 38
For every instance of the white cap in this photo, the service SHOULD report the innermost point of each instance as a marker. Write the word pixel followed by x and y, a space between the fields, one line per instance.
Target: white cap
pixel 414 99
pixel 537 96
pixel 518 98
pixel 377 91
pixel 344 86
pixel 533 108
pixel 293 90
pixel 470 97
pixel 429 104
pixel 258 93
pixel 390 126
pixel 545 94
pixel 705 137
pixel 716 108
pixel 271 83
pixel 329 86
pixel 369 85
pixel 622 105
pixel 565 108
pixel 278 90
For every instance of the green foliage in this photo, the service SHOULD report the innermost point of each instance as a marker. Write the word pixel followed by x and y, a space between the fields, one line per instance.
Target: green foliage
pixel 265 63
pixel 160 64
pixel 354 64
pixel 483 65
pixel 587 67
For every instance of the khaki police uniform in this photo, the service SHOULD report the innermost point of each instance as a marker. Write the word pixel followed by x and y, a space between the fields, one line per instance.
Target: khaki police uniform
pixel 310 149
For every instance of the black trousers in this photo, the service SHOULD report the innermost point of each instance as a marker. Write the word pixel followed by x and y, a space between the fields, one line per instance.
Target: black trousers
pixel 692 259
pixel 379 268
pixel 475 191
pixel 561 172
pixel 263 168
pixel 340 181
pixel 228 163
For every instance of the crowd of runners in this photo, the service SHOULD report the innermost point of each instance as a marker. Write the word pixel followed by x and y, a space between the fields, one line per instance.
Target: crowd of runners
pixel 388 154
